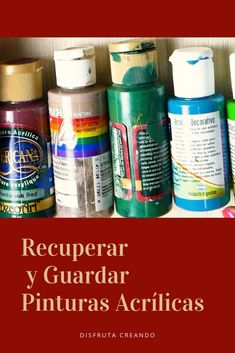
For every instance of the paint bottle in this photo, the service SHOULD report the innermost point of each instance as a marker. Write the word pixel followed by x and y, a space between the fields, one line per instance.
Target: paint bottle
pixel 139 134
pixel 231 118
pixel 26 177
pixel 229 212
pixel 198 129
pixel 80 137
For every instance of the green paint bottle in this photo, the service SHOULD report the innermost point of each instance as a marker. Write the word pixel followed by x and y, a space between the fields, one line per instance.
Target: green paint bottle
pixel 139 133
pixel 231 118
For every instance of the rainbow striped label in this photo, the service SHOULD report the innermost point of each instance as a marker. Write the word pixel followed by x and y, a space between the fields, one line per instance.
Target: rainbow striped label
pixel 79 137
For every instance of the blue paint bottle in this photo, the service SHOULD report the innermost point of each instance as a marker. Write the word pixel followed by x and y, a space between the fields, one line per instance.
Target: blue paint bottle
pixel 199 144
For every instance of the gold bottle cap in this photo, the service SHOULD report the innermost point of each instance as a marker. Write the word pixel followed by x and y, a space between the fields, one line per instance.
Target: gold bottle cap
pixel 20 80
pixel 133 62
pixel 133 45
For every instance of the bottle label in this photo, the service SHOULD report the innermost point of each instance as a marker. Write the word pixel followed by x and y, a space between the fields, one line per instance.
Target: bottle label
pixel 197 156
pixel 231 131
pixel 103 183
pixel 151 163
pixel 121 163
pixel 151 167
pixel 82 161
pixel 26 181
pixel 78 137
pixel 94 174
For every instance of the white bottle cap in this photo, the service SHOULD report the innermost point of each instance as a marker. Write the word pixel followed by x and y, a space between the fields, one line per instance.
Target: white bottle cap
pixel 193 72
pixel 75 67
pixel 232 72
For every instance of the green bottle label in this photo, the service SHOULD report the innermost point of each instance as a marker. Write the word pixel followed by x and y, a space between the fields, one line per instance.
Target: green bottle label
pixel 26 182
pixel 151 163
pixel 150 168
pixel 231 131
pixel 121 163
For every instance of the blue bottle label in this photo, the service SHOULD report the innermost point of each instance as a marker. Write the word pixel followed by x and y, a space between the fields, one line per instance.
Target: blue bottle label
pixel 26 181
pixel 197 156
